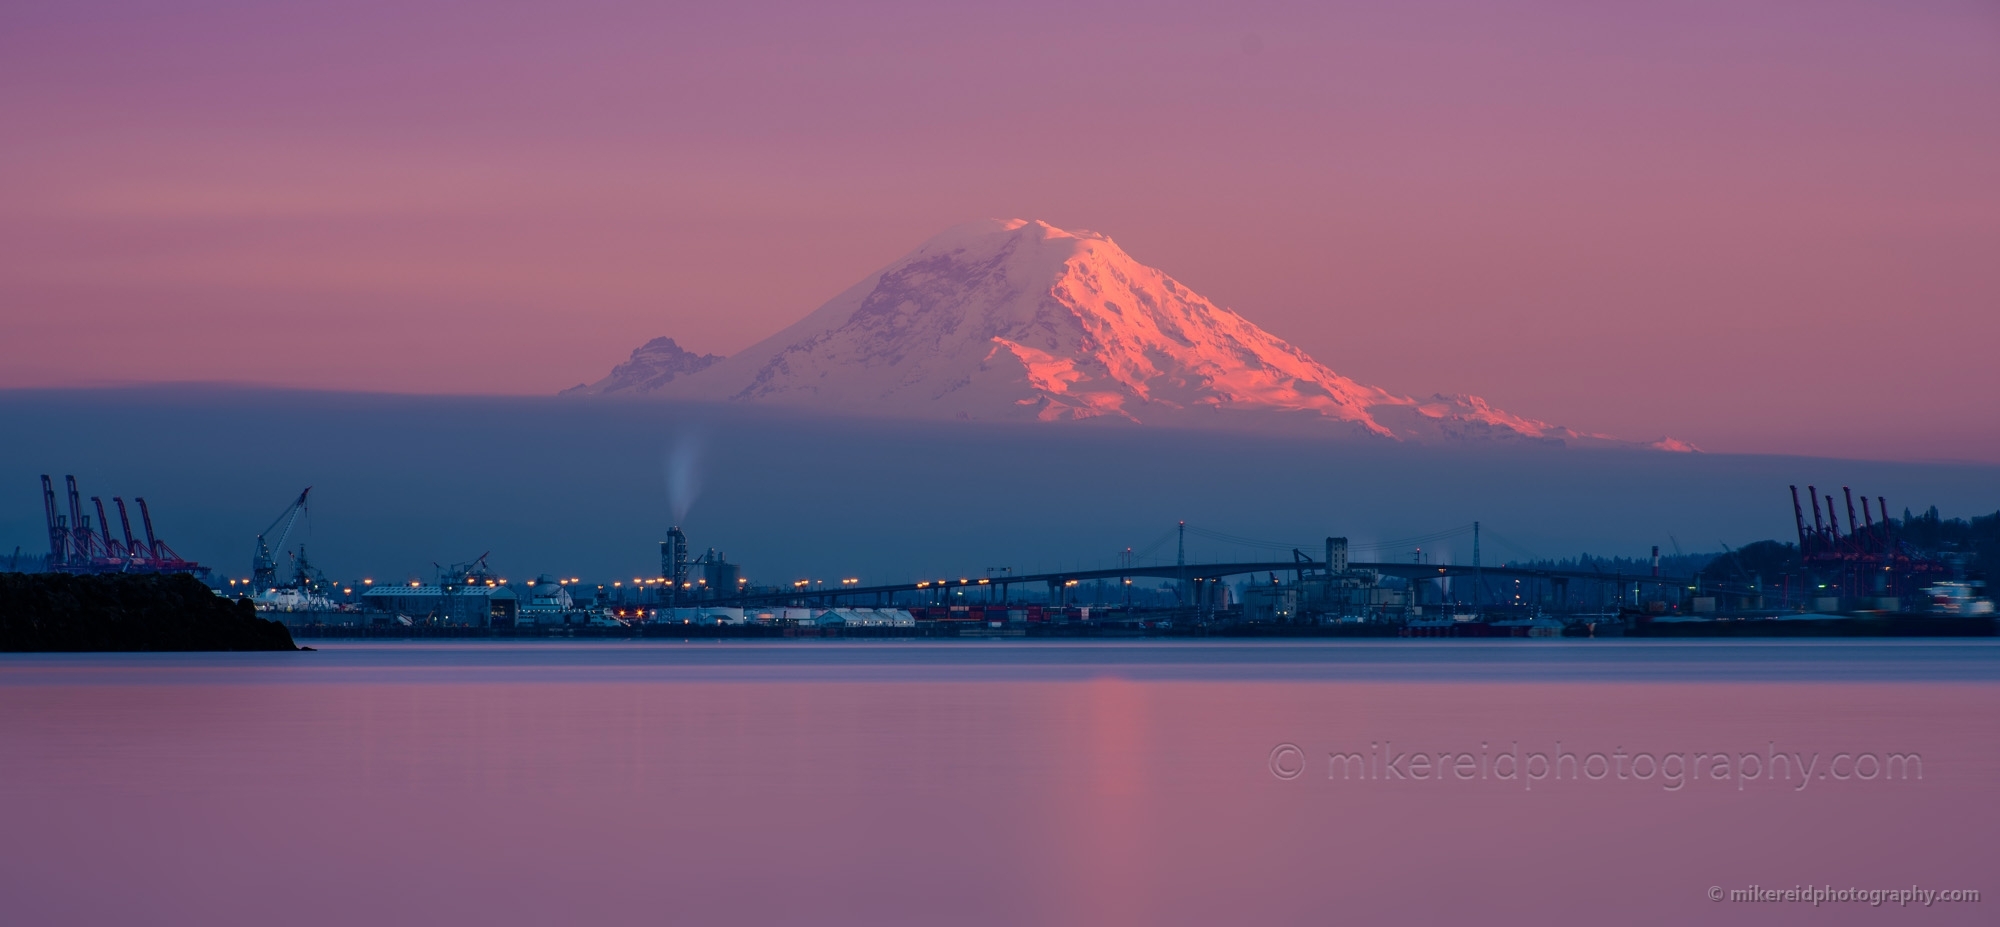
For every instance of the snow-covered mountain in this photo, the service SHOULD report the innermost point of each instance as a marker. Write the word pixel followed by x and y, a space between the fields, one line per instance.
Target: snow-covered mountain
pixel 1019 320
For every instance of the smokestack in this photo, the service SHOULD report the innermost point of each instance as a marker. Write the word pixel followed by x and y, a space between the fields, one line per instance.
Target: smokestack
pixel 1656 560
pixel 674 565
pixel 1336 563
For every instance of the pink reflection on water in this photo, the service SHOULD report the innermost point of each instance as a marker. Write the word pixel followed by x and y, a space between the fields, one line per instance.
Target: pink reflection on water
pixel 1102 801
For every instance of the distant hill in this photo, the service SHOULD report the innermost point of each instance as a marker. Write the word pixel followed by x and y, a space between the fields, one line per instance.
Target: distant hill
pixel 580 487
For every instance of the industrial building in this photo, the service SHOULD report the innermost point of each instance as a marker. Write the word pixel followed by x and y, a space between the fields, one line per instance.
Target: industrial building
pixel 479 606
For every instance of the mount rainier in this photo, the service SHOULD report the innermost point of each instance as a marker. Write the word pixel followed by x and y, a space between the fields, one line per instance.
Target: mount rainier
pixel 1017 320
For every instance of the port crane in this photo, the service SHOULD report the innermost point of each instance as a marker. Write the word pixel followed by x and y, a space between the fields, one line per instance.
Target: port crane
pixel 475 571
pixel 76 546
pixel 264 567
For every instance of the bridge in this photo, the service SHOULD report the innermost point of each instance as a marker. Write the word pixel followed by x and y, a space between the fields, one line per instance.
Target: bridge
pixel 1058 581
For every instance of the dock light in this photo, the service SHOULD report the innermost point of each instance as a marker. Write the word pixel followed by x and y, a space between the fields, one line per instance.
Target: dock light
pixel 984 581
pixel 346 592
pixel 414 584
pixel 367 582
pixel 617 584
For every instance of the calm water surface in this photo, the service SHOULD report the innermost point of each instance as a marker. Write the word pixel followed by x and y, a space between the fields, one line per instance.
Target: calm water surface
pixel 998 782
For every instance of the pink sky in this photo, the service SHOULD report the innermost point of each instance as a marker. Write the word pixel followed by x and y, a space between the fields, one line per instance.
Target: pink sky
pixel 1757 226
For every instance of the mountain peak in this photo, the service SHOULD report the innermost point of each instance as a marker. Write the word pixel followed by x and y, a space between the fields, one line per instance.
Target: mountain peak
pixel 652 365
pixel 1026 228
pixel 1015 319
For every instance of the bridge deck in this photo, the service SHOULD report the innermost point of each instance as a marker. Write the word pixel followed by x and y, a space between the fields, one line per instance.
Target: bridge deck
pixel 1192 571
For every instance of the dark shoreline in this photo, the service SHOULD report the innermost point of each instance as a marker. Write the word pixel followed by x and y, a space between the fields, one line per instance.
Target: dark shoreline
pixel 63 613
pixel 1907 626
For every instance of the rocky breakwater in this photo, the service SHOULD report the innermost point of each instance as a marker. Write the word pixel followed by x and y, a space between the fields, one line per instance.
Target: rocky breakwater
pixel 60 612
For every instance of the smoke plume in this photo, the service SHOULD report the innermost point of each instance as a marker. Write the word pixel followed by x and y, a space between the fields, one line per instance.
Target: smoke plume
pixel 683 473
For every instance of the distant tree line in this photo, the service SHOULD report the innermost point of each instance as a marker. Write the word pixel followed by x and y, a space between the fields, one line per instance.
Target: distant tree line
pixel 1974 543
pixel 1977 540
pixel 1768 561
pixel 1628 567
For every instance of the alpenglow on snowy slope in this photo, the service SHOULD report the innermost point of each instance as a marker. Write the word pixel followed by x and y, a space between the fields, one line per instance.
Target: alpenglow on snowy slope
pixel 1019 321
